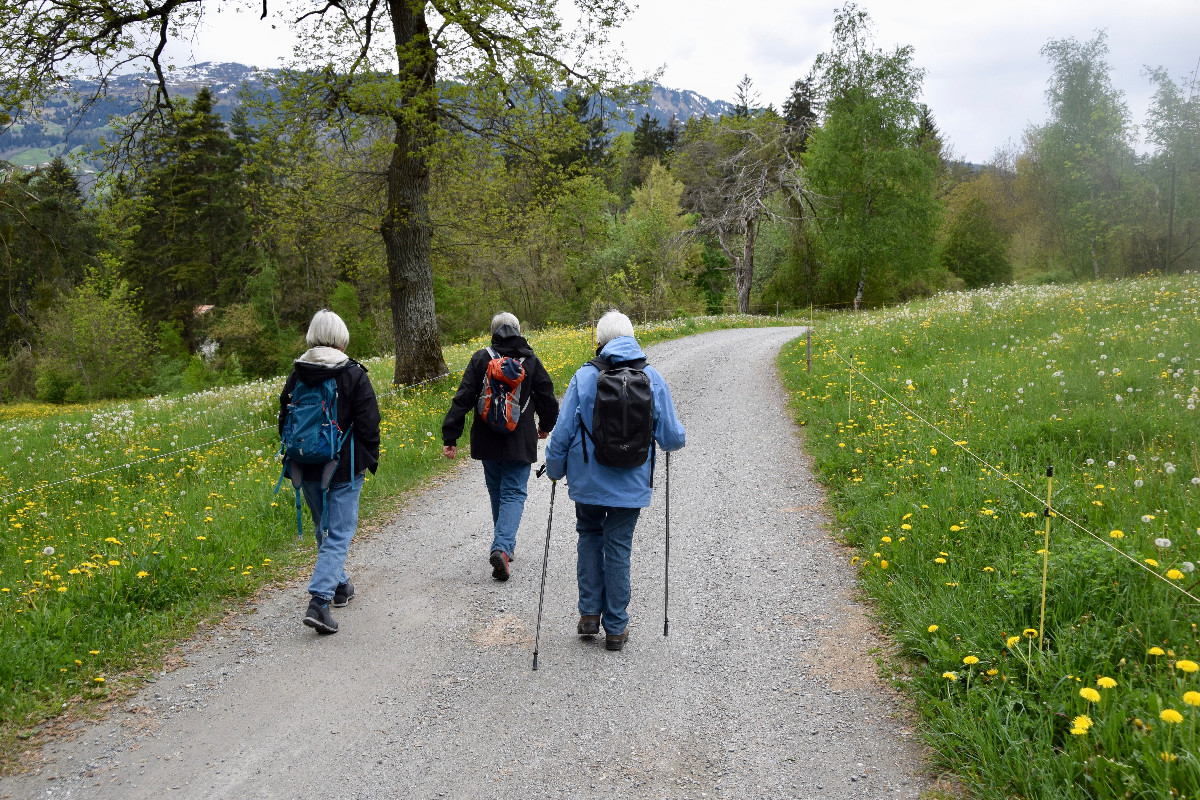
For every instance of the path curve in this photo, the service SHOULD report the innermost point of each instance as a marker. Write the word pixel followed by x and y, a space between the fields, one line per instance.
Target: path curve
pixel 765 687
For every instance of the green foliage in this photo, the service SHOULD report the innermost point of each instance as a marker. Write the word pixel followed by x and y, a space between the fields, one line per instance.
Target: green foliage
pixel 47 241
pixel 975 249
pixel 191 239
pixel 93 337
pixel 246 339
pixel 877 212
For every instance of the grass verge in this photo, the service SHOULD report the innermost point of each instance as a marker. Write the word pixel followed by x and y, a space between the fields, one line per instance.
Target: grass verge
pixel 933 426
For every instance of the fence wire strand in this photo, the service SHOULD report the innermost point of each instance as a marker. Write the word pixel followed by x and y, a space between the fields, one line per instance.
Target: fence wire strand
pixel 1005 477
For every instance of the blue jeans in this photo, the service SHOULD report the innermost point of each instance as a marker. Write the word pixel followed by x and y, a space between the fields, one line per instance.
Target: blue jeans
pixel 506 482
pixel 334 543
pixel 605 543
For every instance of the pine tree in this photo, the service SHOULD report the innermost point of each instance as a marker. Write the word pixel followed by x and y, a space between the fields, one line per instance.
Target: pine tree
pixel 192 241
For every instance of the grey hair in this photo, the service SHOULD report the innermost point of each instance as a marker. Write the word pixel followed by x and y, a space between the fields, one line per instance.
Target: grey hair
pixel 505 318
pixel 612 325
pixel 327 329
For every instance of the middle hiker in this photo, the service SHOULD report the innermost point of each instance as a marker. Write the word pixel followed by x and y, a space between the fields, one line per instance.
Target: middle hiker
pixel 503 384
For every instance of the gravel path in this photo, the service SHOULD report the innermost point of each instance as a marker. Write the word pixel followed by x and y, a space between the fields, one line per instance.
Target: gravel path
pixel 765 687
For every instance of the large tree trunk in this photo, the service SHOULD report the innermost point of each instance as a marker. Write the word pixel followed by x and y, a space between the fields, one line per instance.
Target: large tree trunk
pixel 406 227
pixel 744 276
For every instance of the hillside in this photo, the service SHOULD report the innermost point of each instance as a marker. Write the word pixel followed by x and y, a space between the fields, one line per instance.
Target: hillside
pixel 62 130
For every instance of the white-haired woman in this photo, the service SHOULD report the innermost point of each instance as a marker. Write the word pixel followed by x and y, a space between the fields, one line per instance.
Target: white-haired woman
pixel 506 455
pixel 607 499
pixel 357 412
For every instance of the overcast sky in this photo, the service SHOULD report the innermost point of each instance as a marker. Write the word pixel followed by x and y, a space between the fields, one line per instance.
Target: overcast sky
pixel 985 78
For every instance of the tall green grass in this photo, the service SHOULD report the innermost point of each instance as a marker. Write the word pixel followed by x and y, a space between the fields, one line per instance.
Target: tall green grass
pixel 935 449
pixel 128 524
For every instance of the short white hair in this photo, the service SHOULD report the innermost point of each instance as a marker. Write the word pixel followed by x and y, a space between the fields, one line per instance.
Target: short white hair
pixel 328 330
pixel 505 318
pixel 612 325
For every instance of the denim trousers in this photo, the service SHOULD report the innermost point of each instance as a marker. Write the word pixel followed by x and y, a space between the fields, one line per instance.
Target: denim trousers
pixel 334 542
pixel 605 544
pixel 506 482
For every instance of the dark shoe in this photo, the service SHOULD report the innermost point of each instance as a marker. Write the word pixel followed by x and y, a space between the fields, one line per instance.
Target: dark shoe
pixel 616 641
pixel 319 618
pixel 589 624
pixel 342 594
pixel 499 561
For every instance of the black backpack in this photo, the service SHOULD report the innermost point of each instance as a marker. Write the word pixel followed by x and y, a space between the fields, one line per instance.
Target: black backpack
pixel 622 431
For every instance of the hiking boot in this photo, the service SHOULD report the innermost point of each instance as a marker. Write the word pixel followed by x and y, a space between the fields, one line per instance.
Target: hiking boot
pixel 589 624
pixel 616 641
pixel 319 618
pixel 499 561
pixel 342 594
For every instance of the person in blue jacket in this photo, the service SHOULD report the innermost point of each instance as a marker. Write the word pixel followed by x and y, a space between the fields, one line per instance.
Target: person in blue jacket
pixel 607 499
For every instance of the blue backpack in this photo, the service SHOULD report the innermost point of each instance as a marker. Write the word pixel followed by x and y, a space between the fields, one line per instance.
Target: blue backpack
pixel 311 436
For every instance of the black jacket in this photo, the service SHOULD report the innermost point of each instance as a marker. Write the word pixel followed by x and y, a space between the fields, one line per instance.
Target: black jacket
pixel 356 404
pixel 487 444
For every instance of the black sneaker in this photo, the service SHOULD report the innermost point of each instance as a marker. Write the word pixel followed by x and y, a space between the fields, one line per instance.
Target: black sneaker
pixel 342 594
pixel 319 618
pixel 499 562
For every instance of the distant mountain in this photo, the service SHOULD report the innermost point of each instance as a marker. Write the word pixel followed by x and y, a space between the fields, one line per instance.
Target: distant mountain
pixel 60 130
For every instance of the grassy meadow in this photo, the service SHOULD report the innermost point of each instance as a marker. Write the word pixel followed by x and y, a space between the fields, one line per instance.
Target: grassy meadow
pixel 935 447
pixel 128 524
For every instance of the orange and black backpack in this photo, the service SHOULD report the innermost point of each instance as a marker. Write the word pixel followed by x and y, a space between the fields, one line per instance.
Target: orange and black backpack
pixel 499 403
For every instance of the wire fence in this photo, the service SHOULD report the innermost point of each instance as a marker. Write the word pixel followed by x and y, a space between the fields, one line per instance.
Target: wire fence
pixel 1047 504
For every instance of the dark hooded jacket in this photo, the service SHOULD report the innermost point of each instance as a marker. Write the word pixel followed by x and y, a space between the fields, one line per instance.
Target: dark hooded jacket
pixel 356 405
pixel 486 444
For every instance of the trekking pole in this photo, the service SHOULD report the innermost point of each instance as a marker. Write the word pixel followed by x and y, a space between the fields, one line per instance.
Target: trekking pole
pixel 667 560
pixel 545 560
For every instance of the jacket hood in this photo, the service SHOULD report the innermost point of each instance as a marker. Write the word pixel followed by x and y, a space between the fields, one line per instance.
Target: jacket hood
pixel 622 348
pixel 508 341
pixel 320 363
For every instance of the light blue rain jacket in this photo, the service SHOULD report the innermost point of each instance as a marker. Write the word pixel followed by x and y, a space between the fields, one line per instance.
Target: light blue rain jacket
pixel 592 483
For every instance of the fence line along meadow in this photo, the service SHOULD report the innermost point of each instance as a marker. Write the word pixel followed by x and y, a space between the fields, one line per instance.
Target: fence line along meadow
pixel 1101 381
pixel 127 524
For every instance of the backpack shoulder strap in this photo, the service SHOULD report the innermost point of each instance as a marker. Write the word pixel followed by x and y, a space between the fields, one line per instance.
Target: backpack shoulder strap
pixel 492 353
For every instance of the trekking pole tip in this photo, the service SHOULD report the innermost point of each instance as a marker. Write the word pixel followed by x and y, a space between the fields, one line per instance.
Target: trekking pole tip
pixel 535 661
pixel 665 627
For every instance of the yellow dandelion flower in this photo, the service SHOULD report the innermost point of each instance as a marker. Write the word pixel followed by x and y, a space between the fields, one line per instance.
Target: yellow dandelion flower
pixel 1171 715
pixel 886 540
pixel 950 676
pixel 1168 757
pixel 1174 574
pixel 1030 633
pixel 1010 641
pixel 1105 682
pixel 1089 694
pixel 1187 666
pixel 1116 534
pixel 969 660
pixel 883 564
pixel 939 560
pixel 932 628
pixel 1192 698
pixel 988 569
pixel 1155 651
pixel 933 451
pixel 99 679
pixel 142 574
pixel 1150 561
pixel 906 527
pixel 1079 731
pixel 1082 721
pixel 993 672
pixel 114 563
pixel 955 529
